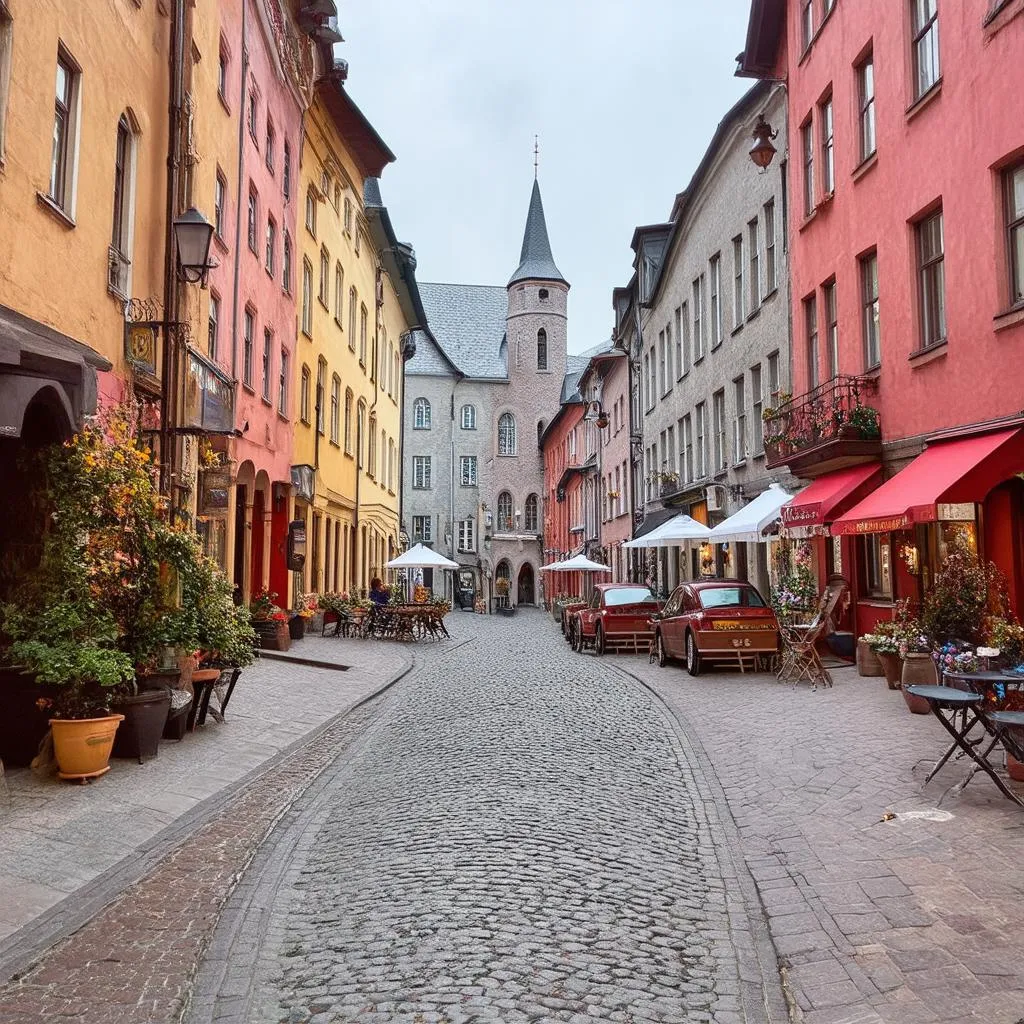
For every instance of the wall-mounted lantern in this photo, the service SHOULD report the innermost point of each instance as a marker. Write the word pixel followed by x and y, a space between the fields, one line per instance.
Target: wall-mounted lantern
pixel 762 152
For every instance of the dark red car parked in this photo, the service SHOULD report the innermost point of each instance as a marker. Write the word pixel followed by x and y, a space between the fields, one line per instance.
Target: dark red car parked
pixel 619 615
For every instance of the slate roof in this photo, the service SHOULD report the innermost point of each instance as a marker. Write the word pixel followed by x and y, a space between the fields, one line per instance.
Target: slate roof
pixel 535 260
pixel 468 322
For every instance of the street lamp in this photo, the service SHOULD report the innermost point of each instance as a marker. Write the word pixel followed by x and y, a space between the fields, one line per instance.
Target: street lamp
pixel 762 152
pixel 192 236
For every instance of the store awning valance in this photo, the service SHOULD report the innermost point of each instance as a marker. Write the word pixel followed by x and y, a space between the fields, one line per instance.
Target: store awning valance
pixel 961 471
pixel 748 525
pixel 830 495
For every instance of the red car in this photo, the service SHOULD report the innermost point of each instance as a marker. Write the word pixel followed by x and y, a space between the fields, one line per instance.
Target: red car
pixel 715 621
pixel 618 614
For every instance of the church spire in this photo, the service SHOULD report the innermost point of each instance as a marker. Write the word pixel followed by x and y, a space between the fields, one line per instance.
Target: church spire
pixel 535 261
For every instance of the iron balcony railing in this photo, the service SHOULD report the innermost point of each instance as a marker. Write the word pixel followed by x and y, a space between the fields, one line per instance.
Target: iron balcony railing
pixel 833 411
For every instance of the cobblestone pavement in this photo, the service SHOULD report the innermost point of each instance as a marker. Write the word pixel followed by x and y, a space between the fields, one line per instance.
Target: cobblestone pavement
pixel 523 837
pixel 912 920
pixel 57 838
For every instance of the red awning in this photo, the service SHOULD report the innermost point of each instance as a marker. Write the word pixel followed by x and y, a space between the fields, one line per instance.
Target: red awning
pixel 830 495
pixel 950 472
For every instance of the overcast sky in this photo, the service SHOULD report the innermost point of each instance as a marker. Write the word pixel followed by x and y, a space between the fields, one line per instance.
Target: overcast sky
pixel 624 94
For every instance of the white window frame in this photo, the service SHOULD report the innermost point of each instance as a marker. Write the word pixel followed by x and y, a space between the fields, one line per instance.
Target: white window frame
pixel 467 471
pixel 468 417
pixel 421 414
pixel 421 473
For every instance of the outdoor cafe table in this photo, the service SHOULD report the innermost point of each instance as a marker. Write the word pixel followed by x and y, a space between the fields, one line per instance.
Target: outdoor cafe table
pixel 959 711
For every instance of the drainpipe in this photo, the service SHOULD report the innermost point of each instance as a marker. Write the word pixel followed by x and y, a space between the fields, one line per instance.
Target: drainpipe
pixel 168 391
pixel 238 195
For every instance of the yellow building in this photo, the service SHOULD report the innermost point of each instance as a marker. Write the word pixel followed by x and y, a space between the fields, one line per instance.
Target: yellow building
pixel 357 303
pixel 84 96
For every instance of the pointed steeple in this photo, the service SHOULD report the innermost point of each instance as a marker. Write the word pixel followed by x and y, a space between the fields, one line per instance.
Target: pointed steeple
pixel 535 261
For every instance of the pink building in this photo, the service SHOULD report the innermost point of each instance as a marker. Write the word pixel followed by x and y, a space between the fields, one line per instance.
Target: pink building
pixel 905 158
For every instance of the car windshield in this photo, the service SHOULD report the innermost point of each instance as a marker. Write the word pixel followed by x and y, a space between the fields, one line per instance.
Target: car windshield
pixel 628 595
pixel 730 597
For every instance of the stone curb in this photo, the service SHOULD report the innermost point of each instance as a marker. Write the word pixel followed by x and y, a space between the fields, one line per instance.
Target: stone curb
pixel 21 951
pixel 778 1005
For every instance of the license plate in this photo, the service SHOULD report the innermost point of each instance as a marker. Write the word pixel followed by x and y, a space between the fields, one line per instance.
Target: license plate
pixel 741 625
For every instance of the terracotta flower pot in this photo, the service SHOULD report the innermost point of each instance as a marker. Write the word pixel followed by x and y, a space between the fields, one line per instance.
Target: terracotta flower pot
pixel 82 745
pixel 1014 768
pixel 867 661
pixel 892 667
pixel 918 669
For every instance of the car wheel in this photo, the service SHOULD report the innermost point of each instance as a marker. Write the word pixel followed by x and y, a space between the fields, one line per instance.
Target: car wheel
pixel 659 648
pixel 575 635
pixel 692 656
pixel 599 646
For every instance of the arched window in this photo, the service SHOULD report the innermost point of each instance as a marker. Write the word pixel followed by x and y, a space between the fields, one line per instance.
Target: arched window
pixel 339 291
pixel 421 414
pixel 542 349
pixel 507 434
pixel 504 512
pixel 469 417
pixel 530 514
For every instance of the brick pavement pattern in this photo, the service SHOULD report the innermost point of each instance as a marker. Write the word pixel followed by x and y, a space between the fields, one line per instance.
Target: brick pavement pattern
pixel 522 838
pixel 915 920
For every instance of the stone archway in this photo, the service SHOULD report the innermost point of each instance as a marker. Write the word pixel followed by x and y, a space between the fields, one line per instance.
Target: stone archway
pixel 526 587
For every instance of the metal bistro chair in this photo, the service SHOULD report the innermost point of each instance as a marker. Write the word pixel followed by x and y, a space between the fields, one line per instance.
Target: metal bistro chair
pixel 800 658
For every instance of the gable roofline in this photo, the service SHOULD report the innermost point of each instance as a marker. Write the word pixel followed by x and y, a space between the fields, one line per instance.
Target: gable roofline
pixel 368 149
pixel 765 29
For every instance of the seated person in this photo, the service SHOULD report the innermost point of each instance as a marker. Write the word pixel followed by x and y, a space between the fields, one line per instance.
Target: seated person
pixel 378 592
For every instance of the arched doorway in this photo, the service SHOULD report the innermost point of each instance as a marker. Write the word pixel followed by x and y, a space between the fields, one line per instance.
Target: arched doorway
pixel 525 588
pixel 503 583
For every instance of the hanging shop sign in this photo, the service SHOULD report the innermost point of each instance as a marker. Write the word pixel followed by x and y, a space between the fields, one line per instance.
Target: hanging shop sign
pixel 296 544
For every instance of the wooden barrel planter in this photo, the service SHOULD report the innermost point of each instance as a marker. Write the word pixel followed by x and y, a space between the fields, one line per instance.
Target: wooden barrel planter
pixel 867 661
pixel 272 635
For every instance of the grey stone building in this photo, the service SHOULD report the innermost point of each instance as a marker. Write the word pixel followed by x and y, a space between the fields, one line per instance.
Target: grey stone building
pixel 479 391
pixel 706 320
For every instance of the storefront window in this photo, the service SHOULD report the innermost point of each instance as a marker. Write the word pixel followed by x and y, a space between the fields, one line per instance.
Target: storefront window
pixel 876 568
pixel 957 536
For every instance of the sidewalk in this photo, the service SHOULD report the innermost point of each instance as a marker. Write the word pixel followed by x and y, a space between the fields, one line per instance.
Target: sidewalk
pixel 57 840
pixel 914 920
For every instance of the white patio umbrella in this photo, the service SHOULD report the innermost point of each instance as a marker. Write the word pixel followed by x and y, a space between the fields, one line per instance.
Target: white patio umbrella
pixel 675 531
pixel 580 564
pixel 552 567
pixel 749 524
pixel 420 557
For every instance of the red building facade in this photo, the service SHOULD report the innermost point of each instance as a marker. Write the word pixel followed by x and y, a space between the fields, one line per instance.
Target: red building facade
pixel 905 162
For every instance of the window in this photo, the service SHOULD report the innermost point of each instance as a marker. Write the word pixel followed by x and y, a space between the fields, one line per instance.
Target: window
pixel 318 398
pixel 506 434
pixel 65 131
pixel 806 22
pixel 286 170
pixel 421 529
pixel 392 462
pixel 739 423
pixel 925 45
pixel 304 396
pixel 866 95
pixel 738 297
pixel 282 384
pixel 466 538
pixel 811 332
pixel 421 472
pixel 718 414
pixel 754 245
pixel 347 219
pixel 268 341
pixel 339 292
pixel 700 453
pixel 542 349
pixel 773 380
pixel 361 433
pixel 686 448
pixel 932 278
pixel 716 299
pixel 828 162
pixel 358 240
pixel 505 521
pixel 311 211
pixel 648 400
pixel 421 414
pixel 662 381
pixel 335 408
pixel 253 109
pixel 362 334
pixel 220 191
pixel 698 319
pixel 352 299
pixel 869 306
pixel 468 417
pixel 467 470
pixel 684 332
pixel 873 558
pixel 770 268
pixel 121 228
pixel 213 328
pixel 668 356
pixel 757 399
pixel 831 328
pixel 678 316
pixel 307 299
pixel 271 139
pixel 530 517
pixel 271 245
pixel 286 264
pixel 1014 184
pixel 325 273
pixel 252 219
pixel 222 72
pixel 371 469
pixel 348 421
pixel 248 330
pixel 807 148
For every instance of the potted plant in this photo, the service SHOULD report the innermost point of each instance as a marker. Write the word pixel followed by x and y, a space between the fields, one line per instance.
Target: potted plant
pixel 270 622
pixel 918 666
pixel 884 641
pixel 864 420
pixel 962 597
